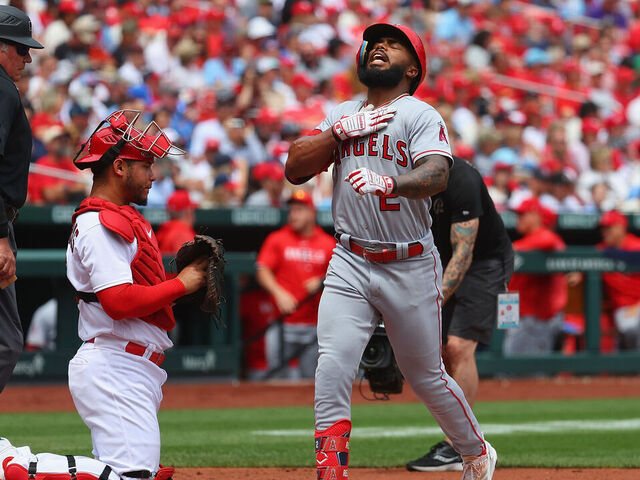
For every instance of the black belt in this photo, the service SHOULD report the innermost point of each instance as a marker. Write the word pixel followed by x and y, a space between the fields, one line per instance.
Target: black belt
pixel 12 212
pixel 88 297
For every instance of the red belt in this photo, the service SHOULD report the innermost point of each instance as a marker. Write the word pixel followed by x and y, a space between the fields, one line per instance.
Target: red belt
pixel 139 350
pixel 384 255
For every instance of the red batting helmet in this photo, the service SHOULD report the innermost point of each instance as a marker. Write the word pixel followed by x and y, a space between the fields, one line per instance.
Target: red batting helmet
pixel 379 30
pixel 120 138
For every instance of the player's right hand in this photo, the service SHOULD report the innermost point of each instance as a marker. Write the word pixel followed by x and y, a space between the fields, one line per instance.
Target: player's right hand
pixel 286 302
pixel 194 275
pixel 363 123
pixel 7 260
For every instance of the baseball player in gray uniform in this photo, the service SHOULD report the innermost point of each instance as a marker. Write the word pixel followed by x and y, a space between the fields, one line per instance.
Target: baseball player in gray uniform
pixel 390 154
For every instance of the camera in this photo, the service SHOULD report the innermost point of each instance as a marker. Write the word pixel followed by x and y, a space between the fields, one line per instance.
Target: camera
pixel 379 364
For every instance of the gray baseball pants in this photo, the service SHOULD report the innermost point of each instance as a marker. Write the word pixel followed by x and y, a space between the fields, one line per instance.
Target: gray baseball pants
pixel 11 339
pixel 406 295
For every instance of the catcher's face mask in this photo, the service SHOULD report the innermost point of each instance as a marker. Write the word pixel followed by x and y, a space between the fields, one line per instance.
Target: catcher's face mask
pixel 119 135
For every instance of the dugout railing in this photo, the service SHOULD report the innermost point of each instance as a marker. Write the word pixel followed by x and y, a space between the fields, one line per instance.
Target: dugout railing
pixel 217 352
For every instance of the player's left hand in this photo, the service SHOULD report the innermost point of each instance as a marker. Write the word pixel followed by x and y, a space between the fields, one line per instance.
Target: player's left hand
pixel 366 181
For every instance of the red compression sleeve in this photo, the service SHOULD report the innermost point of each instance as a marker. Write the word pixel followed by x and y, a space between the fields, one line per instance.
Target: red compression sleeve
pixel 135 301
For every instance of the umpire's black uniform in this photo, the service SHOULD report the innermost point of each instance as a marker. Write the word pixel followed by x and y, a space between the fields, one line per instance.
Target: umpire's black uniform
pixel 15 157
pixel 471 311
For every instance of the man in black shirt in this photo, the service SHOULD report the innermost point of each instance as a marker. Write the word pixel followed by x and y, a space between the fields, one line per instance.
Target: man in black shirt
pixel 477 259
pixel 15 156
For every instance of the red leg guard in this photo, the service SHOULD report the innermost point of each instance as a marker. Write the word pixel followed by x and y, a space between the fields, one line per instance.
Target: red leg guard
pixel 332 451
pixel 165 473
pixel 16 472
pixel 6 460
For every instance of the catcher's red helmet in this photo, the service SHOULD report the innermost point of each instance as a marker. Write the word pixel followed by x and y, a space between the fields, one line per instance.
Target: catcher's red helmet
pixel 120 138
pixel 379 30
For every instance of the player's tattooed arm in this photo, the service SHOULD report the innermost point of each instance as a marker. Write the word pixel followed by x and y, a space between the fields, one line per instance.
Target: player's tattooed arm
pixel 429 177
pixel 463 238
pixel 309 155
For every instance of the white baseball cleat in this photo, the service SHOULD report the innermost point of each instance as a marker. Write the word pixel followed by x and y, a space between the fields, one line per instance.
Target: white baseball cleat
pixel 480 467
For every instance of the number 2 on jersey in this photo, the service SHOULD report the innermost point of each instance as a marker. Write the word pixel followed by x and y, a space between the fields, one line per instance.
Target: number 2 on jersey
pixel 385 206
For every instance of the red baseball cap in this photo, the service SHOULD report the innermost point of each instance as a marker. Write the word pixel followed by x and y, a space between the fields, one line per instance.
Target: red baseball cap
pixel 302 8
pixel 212 144
pixel 301 79
pixel 267 115
pixel 179 201
pixel 531 204
pixel 570 65
pixel 591 125
pixel 68 6
pixel 625 75
pixel 464 150
pixel 613 217
pixel 272 170
pixel 616 119
pixel 303 197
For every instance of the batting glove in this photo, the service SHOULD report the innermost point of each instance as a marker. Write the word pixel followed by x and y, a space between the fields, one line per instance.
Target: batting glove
pixel 362 123
pixel 366 181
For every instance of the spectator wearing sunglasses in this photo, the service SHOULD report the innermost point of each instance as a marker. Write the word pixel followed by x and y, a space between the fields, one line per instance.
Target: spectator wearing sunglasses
pixel 15 156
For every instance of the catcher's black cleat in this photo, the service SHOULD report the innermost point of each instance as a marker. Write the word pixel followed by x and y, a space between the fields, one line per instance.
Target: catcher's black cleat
pixel 441 458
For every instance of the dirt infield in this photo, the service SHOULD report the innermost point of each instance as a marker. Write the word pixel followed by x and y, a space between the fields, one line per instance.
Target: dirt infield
pixel 247 395
pixel 402 474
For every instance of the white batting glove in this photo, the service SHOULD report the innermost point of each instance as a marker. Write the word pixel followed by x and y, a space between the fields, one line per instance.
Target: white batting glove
pixel 366 181
pixel 363 123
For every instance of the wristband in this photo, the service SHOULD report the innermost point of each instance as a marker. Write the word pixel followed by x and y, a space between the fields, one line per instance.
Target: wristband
pixel 391 181
pixel 335 135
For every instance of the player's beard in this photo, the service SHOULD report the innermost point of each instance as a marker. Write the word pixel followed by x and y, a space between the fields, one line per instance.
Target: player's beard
pixel 387 78
pixel 139 193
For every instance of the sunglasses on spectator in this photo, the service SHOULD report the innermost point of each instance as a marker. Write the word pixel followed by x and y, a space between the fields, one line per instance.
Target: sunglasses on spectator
pixel 21 50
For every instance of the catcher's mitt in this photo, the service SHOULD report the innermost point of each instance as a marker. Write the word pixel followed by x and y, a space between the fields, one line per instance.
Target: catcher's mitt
pixel 210 296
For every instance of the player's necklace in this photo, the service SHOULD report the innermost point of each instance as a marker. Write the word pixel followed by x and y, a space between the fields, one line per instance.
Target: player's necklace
pixel 385 103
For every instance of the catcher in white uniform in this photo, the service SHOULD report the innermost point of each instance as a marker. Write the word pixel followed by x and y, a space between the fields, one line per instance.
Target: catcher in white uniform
pixel 114 263
pixel 390 154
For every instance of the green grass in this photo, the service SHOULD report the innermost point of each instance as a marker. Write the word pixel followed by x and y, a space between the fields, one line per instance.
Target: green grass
pixel 227 437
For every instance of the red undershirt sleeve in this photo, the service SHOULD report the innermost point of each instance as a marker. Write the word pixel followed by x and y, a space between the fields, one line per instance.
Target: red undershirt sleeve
pixel 135 301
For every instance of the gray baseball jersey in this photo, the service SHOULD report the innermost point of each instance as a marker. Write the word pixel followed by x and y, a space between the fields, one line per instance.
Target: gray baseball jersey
pixel 417 130
pixel 404 293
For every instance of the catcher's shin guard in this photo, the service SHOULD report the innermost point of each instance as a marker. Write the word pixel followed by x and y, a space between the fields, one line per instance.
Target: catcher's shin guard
pixel 332 451
pixel 48 466
pixel 165 473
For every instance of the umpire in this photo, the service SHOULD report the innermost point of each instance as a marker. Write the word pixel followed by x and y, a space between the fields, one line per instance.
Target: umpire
pixel 477 258
pixel 15 156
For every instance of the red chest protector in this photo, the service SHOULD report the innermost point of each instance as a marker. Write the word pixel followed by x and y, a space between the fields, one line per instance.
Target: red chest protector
pixel 146 268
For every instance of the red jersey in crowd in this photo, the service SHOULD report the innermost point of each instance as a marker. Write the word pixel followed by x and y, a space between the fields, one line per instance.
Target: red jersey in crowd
pixel 38 182
pixel 541 296
pixel 294 259
pixel 172 234
pixel 623 289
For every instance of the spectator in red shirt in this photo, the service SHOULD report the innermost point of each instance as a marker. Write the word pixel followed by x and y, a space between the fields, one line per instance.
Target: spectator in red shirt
pixel 291 266
pixel 622 290
pixel 57 180
pixel 179 228
pixel 270 175
pixel 543 297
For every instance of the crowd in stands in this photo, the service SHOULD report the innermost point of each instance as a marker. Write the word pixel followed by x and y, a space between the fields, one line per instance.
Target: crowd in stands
pixel 542 96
